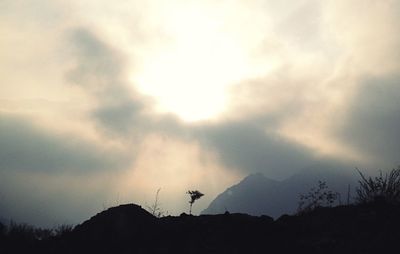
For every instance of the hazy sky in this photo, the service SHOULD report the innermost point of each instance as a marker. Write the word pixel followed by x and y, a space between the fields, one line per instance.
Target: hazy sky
pixel 103 102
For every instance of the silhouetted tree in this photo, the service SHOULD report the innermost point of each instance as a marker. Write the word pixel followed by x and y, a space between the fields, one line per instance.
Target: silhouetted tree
pixel 317 197
pixel 194 195
pixel 381 188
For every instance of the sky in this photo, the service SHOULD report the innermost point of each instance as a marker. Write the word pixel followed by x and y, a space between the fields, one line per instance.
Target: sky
pixel 104 102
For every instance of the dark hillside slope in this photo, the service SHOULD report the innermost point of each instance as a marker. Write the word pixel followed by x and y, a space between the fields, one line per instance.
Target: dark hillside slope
pixel 117 223
pixel 113 229
pixel 130 229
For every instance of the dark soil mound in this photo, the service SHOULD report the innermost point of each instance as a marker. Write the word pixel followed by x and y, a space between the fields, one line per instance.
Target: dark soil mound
pixel 372 228
pixel 124 227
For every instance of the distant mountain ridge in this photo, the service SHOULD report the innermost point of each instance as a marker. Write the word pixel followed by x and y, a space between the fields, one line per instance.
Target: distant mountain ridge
pixel 258 195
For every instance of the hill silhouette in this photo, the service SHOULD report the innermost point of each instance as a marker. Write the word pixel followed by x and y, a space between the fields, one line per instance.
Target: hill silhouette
pixel 369 228
pixel 257 194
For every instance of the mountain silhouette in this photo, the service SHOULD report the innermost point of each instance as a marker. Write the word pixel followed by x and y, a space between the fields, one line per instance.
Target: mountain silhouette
pixel 258 195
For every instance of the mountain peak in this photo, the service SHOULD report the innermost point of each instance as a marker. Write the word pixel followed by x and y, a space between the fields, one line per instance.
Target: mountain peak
pixel 257 194
pixel 256 178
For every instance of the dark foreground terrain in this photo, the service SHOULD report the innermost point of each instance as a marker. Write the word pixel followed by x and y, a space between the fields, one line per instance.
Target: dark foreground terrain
pixel 373 228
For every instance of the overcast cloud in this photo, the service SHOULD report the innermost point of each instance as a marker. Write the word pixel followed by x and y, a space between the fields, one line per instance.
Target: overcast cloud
pixel 117 99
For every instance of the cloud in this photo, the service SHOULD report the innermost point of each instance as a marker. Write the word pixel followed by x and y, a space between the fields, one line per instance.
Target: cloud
pixel 373 122
pixel 297 103
pixel 248 143
pixel 97 65
pixel 26 147
pixel 49 199
pixel 122 119
pixel 247 146
pixel 119 110
pixel 310 82
pixel 100 72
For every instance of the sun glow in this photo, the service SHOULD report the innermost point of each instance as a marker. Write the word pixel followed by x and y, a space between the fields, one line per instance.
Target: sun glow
pixel 201 57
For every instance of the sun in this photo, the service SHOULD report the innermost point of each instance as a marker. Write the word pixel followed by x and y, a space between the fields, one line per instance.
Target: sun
pixel 198 58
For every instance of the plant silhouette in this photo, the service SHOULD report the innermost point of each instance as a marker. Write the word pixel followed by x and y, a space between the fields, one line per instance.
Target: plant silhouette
pixel 317 197
pixel 155 209
pixel 194 195
pixel 384 188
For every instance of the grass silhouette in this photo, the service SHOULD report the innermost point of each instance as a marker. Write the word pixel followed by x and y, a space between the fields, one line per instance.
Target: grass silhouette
pixel 382 188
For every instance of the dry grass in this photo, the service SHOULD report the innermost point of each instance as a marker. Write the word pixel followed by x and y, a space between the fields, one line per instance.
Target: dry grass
pixel 385 187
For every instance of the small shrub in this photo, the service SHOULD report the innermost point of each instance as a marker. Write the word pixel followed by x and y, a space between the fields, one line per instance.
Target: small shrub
pixel 21 232
pixel 63 230
pixel 25 233
pixel 194 195
pixel 385 188
pixel 319 196
pixel 155 209
pixel 43 233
